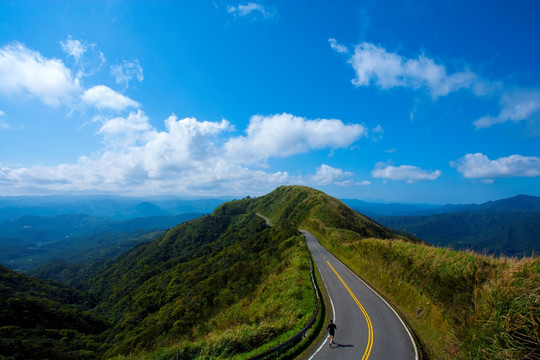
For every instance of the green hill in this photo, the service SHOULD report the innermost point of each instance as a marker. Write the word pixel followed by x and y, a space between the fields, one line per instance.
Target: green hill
pixel 461 305
pixel 220 286
pixel 228 286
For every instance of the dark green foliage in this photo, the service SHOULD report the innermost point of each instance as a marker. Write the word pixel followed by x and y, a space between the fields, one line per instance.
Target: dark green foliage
pixel 42 319
pixel 170 288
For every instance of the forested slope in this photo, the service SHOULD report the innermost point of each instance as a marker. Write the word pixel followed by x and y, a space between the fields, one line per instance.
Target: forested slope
pixel 221 286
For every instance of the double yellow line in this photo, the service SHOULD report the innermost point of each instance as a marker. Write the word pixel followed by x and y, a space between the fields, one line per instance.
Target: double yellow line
pixel 368 320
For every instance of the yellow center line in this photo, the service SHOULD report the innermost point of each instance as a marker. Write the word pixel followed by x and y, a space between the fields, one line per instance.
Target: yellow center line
pixel 368 320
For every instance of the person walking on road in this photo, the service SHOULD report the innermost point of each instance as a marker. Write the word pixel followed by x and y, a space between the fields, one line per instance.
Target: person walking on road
pixel 331 330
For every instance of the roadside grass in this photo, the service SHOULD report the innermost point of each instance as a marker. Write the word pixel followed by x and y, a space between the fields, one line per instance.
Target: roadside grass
pixel 278 309
pixel 461 304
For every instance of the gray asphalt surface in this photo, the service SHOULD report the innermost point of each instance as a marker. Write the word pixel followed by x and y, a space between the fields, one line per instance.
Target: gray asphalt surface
pixel 367 327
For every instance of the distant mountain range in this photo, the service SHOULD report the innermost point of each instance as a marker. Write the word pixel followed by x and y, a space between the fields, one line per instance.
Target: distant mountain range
pixel 115 207
pixel 519 203
pixel 31 240
pixel 504 227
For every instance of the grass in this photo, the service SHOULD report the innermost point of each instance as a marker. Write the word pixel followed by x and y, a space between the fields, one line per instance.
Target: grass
pixel 278 309
pixel 461 304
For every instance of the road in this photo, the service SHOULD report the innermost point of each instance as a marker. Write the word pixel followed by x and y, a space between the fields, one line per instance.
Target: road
pixel 367 327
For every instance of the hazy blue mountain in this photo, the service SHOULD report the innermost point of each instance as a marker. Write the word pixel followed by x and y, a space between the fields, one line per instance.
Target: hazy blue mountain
pixel 508 226
pixel 115 207
pixel 374 208
pixel 32 240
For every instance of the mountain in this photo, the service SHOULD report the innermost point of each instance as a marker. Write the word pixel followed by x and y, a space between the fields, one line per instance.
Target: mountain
pixel 519 203
pixel 115 207
pixel 227 285
pixel 508 226
pixel 390 209
pixel 219 285
pixel 30 241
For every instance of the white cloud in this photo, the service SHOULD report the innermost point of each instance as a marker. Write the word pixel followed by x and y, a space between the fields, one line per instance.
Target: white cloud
pixel 74 48
pixel 27 72
pixel 480 166
pixel 120 132
pixel 373 64
pixel 250 8
pixel 187 157
pixel 88 60
pixel 103 97
pixel 284 135
pixel 517 106
pixel 342 49
pixel 184 158
pixel 327 175
pixel 407 173
pixel 127 71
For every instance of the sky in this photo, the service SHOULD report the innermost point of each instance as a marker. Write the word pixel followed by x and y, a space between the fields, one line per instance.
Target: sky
pixel 398 101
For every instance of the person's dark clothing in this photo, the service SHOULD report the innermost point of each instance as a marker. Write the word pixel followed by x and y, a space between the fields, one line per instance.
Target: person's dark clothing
pixel 331 328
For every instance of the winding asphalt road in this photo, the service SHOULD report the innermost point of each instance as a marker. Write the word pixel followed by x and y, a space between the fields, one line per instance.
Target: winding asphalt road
pixel 367 327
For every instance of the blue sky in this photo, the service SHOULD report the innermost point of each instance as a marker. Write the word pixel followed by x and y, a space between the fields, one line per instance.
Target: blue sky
pixel 407 101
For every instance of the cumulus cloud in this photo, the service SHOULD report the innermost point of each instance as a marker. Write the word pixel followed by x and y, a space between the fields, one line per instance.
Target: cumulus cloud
pixel 27 72
pixel 103 97
pixel 327 175
pixel 188 156
pixel 127 71
pixel 407 173
pixel 478 165
pixel 284 135
pixel 517 106
pixel 184 158
pixel 250 8
pixel 374 64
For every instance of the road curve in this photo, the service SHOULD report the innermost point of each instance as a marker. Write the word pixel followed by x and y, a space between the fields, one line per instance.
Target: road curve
pixel 367 327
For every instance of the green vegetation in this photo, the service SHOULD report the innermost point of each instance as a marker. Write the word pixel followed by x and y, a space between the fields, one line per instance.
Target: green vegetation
pixel 462 305
pixel 43 319
pixel 202 281
pixel 228 286
pixel 221 286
